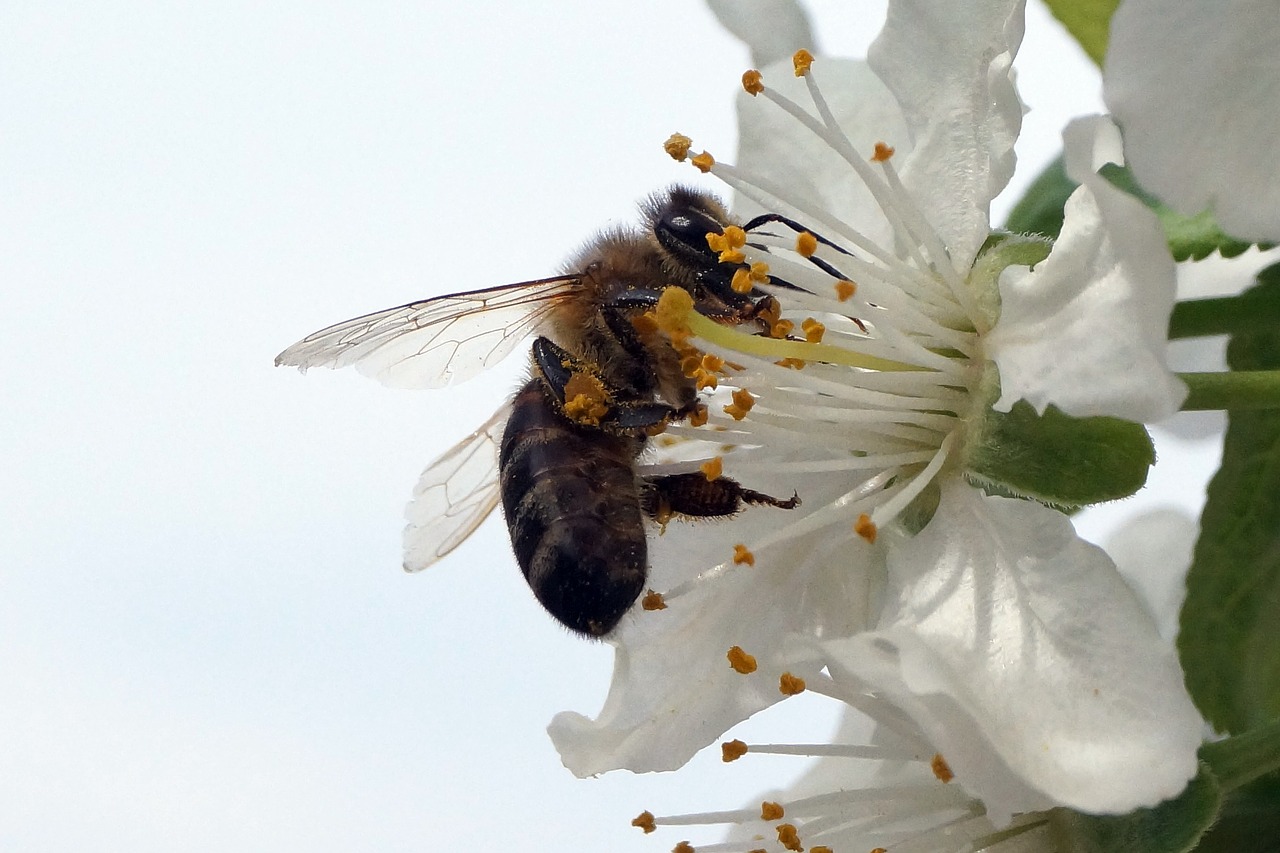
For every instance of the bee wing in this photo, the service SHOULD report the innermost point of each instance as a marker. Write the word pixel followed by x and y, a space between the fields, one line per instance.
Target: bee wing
pixel 435 342
pixel 454 495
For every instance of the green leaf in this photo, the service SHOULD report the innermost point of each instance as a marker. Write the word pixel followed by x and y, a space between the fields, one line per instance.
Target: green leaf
pixel 1088 21
pixel 1190 237
pixel 1040 210
pixel 1174 826
pixel 1249 821
pixel 1230 638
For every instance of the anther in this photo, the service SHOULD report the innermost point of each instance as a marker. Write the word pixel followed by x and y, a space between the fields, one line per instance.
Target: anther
pixel 712 363
pixel 790 685
pixel 742 663
pixel 789 838
pixel 801 60
pixel 699 416
pixel 753 82
pixel 845 290
pixel 760 271
pixel 806 244
pixel 813 330
pixel 941 769
pixel 771 811
pixel 653 601
pixel 677 145
pixel 644 820
pixel 703 161
pixel 865 528
pixel 741 281
pixel 742 403
pixel 741 554
pixel 883 153
pixel 781 329
pixel 683 847
pixel 712 468
pixel 732 750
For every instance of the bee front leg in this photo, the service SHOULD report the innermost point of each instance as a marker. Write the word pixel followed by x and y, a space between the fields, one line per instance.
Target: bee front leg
pixel 695 496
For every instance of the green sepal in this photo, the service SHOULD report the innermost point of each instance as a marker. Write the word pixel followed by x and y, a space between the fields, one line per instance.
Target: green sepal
pixel 1056 459
pixel 1230 637
pixel 1088 21
pixel 1174 826
pixel 1190 237
pixel 1040 211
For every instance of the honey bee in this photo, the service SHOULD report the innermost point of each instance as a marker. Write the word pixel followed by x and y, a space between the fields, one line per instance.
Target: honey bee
pixel 567 444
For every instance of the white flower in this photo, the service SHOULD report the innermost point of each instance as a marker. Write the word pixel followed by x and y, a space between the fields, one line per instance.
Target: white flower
pixel 1014 645
pixel 1196 89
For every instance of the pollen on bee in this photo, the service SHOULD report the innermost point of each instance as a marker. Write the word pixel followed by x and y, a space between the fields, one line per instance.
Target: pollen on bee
pixel 586 399
pixel 790 685
pixel 741 662
pixel 712 468
pixel 742 403
pixel 882 153
pixel 732 750
pixel 703 161
pixel 789 837
pixel 645 821
pixel 677 145
pixel 941 769
pixel 865 528
pixel 813 330
pixel 753 82
pixel 653 600
pixel 742 554
pixel 800 61
pixel 741 281
pixel 645 324
pixel 806 244
pixel 845 290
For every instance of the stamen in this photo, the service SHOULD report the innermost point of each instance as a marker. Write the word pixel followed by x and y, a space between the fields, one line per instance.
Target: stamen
pixel 653 601
pixel 677 145
pixel 806 244
pixel 771 811
pixel 883 152
pixel 801 60
pixel 645 821
pixel 732 750
pixel 789 837
pixel 703 161
pixel 712 468
pixel 752 82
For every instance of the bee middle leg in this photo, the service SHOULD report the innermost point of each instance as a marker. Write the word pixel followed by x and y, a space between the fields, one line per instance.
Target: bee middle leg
pixel 695 496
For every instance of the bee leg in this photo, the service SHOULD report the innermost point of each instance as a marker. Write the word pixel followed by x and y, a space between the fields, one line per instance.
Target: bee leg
pixel 557 369
pixel 695 496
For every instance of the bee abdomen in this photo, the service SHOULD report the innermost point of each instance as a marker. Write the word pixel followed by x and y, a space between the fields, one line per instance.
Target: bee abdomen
pixel 573 508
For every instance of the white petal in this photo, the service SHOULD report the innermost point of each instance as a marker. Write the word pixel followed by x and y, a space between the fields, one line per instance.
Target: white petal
pixel 1153 552
pixel 949 64
pixel 1086 329
pixel 774 144
pixel 1196 88
pixel 772 29
pixel 673 690
pixel 1030 664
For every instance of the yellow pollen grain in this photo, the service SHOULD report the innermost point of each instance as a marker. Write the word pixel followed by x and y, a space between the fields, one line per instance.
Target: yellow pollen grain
pixel 732 256
pixel 699 416
pixel 792 363
pixel 584 410
pixel 800 61
pixel 760 271
pixel 713 363
pixel 941 769
pixel 732 750
pixel 645 821
pixel 653 601
pixel 753 82
pixel 741 281
pixel 741 554
pixel 706 380
pixel 677 145
pixel 865 528
pixel 717 242
pixel 735 236
pixel 712 468
pixel 683 847
pixel 781 329
pixel 845 290
pixel 672 314
pixel 742 663
pixel 813 330
pixel 790 685
pixel 806 244
pixel 789 838
pixel 883 153
pixel 704 162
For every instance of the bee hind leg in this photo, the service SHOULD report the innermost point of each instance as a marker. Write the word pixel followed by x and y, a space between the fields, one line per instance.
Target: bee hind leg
pixel 695 496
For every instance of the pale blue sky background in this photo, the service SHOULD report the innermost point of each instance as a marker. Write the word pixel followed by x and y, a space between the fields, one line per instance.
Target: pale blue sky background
pixel 206 641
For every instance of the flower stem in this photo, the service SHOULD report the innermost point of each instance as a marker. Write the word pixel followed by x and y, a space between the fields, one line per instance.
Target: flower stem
pixel 1224 315
pixel 1239 390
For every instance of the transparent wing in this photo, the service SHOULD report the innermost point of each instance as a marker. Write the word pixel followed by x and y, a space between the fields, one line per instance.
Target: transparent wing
pixel 435 342
pixel 454 495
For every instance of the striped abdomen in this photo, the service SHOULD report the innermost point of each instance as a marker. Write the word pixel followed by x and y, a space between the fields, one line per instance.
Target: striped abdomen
pixel 573 508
